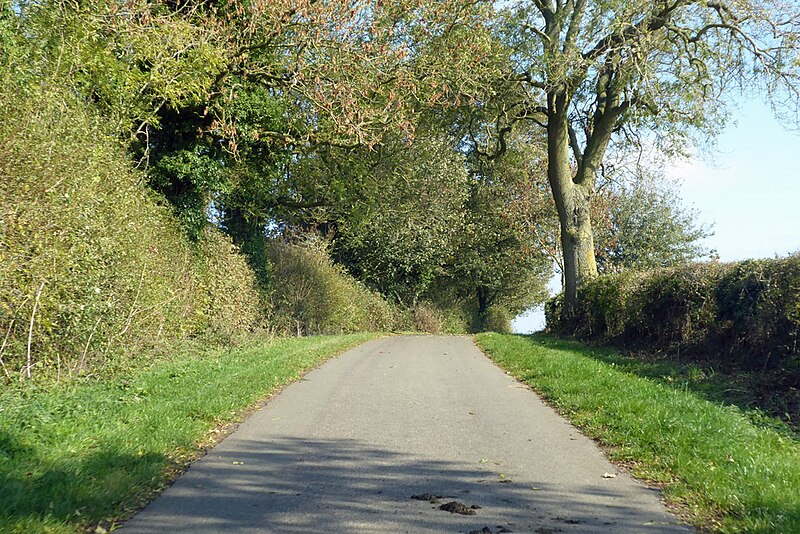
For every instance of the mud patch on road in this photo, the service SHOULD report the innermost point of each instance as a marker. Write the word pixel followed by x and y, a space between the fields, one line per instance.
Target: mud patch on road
pixel 455 507
pixel 567 521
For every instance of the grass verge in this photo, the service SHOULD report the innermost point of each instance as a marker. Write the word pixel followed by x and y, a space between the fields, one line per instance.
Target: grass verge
pixel 724 472
pixel 79 456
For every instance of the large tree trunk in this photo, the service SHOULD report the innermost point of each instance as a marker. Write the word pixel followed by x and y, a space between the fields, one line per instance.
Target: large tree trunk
pixel 482 294
pixel 577 243
pixel 572 192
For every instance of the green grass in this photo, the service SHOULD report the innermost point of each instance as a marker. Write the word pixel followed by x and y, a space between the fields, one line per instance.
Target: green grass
pixel 79 455
pixel 723 471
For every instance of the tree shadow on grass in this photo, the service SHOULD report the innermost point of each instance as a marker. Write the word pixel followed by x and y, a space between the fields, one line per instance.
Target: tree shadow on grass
pixel 36 493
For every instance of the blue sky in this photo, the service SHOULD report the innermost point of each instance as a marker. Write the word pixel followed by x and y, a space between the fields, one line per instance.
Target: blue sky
pixel 748 188
pixel 751 188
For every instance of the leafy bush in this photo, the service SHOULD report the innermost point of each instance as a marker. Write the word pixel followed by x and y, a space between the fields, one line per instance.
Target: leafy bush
pixel 312 295
pixel 425 318
pixel 759 307
pixel 93 268
pixel 435 318
pixel 498 319
pixel 232 302
pixel 746 313
pixel 674 306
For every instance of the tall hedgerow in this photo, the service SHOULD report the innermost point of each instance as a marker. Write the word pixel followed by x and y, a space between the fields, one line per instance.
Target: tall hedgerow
pixel 745 313
pixel 93 269
pixel 232 300
pixel 313 295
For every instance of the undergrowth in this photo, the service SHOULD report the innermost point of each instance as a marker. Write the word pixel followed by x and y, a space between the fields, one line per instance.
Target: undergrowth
pixel 94 270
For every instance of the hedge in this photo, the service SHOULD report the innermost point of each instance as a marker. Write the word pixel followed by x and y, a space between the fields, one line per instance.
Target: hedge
pixel 94 269
pixel 745 313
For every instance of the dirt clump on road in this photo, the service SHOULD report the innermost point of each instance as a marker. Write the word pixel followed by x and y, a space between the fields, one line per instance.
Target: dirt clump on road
pixel 455 507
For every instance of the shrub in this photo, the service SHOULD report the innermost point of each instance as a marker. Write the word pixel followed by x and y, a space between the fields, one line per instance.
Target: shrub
pixel 93 269
pixel 312 295
pixel 746 313
pixel 433 318
pixel 498 319
pixel 759 308
pixel 454 319
pixel 79 244
pixel 425 318
pixel 673 306
pixel 232 303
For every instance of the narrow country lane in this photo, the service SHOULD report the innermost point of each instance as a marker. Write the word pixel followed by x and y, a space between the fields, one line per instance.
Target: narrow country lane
pixel 345 449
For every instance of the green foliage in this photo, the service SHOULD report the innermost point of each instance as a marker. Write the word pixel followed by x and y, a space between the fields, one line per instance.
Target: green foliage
pixel 400 240
pixel 423 224
pixel 92 269
pixel 426 319
pixel 500 260
pixel 435 318
pixel 497 319
pixel 759 308
pixel 722 470
pixel 232 301
pixel 80 243
pixel 312 295
pixel 743 313
pixel 11 42
pixel 83 454
pixel 643 226
pixel 200 167
pixel 188 179
pixel 129 60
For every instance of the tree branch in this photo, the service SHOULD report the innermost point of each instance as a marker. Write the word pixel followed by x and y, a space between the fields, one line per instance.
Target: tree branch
pixel 574 144
pixel 527 77
pixel 539 33
pixel 650 24
pixel 574 24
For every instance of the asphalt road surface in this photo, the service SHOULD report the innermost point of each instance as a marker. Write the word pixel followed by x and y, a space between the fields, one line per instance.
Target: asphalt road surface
pixel 345 449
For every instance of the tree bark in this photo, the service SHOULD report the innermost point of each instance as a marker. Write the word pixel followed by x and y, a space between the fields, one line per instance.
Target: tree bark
pixel 482 294
pixel 572 193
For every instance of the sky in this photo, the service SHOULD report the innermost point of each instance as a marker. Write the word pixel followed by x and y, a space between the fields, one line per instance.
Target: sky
pixel 747 188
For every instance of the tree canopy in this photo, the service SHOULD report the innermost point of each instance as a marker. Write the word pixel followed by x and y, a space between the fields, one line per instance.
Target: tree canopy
pixel 596 75
pixel 421 138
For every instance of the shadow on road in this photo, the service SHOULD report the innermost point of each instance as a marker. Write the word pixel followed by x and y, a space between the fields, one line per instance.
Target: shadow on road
pixel 306 485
